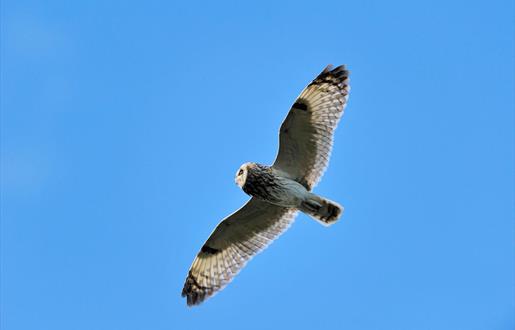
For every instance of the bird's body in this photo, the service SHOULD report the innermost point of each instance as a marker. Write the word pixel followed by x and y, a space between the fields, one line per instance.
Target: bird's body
pixel 267 184
pixel 273 186
pixel 278 191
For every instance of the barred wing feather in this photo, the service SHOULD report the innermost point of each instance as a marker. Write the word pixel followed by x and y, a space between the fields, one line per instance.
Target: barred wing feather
pixel 306 135
pixel 232 244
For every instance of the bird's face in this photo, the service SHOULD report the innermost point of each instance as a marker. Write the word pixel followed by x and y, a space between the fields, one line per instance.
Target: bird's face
pixel 241 175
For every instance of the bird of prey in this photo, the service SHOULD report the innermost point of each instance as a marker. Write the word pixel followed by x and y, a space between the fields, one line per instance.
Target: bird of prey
pixel 278 191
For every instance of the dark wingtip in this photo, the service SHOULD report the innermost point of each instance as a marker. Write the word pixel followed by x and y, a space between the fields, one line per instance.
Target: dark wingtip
pixel 338 75
pixel 340 72
pixel 328 68
pixel 192 291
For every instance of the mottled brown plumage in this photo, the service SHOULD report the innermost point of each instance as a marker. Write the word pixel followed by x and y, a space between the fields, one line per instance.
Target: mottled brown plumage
pixel 261 182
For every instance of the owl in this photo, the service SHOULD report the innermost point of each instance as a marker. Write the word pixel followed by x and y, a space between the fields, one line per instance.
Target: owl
pixel 277 192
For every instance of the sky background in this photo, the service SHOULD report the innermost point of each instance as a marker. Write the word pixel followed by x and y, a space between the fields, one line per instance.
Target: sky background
pixel 123 124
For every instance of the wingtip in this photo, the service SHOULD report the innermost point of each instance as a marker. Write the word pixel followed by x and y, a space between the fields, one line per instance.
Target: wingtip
pixel 340 71
pixel 193 292
pixel 338 75
pixel 328 68
pixel 193 299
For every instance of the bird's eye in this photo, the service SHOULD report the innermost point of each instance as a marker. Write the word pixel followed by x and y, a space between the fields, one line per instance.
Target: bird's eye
pixel 240 172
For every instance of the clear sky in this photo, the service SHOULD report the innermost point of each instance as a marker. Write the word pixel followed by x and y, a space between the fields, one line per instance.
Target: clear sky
pixel 123 124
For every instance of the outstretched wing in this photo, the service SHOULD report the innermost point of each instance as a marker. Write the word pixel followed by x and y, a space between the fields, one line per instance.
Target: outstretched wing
pixel 232 244
pixel 306 135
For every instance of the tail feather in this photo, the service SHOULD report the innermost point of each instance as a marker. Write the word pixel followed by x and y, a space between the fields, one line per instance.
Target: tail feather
pixel 321 209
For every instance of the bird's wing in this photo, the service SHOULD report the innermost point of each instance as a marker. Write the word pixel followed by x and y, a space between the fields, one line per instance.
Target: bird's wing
pixel 232 244
pixel 306 135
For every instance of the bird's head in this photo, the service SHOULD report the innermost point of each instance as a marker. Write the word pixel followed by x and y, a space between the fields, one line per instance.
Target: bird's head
pixel 241 175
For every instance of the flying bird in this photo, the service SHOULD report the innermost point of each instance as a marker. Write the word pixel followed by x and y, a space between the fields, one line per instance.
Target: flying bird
pixel 277 192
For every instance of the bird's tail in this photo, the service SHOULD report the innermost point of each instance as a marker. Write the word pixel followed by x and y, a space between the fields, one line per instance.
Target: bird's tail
pixel 321 209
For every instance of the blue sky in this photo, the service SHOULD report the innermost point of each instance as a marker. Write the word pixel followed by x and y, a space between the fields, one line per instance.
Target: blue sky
pixel 123 124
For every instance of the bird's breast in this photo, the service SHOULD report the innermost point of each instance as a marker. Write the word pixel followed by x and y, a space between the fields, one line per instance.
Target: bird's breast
pixel 261 185
pixel 274 189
